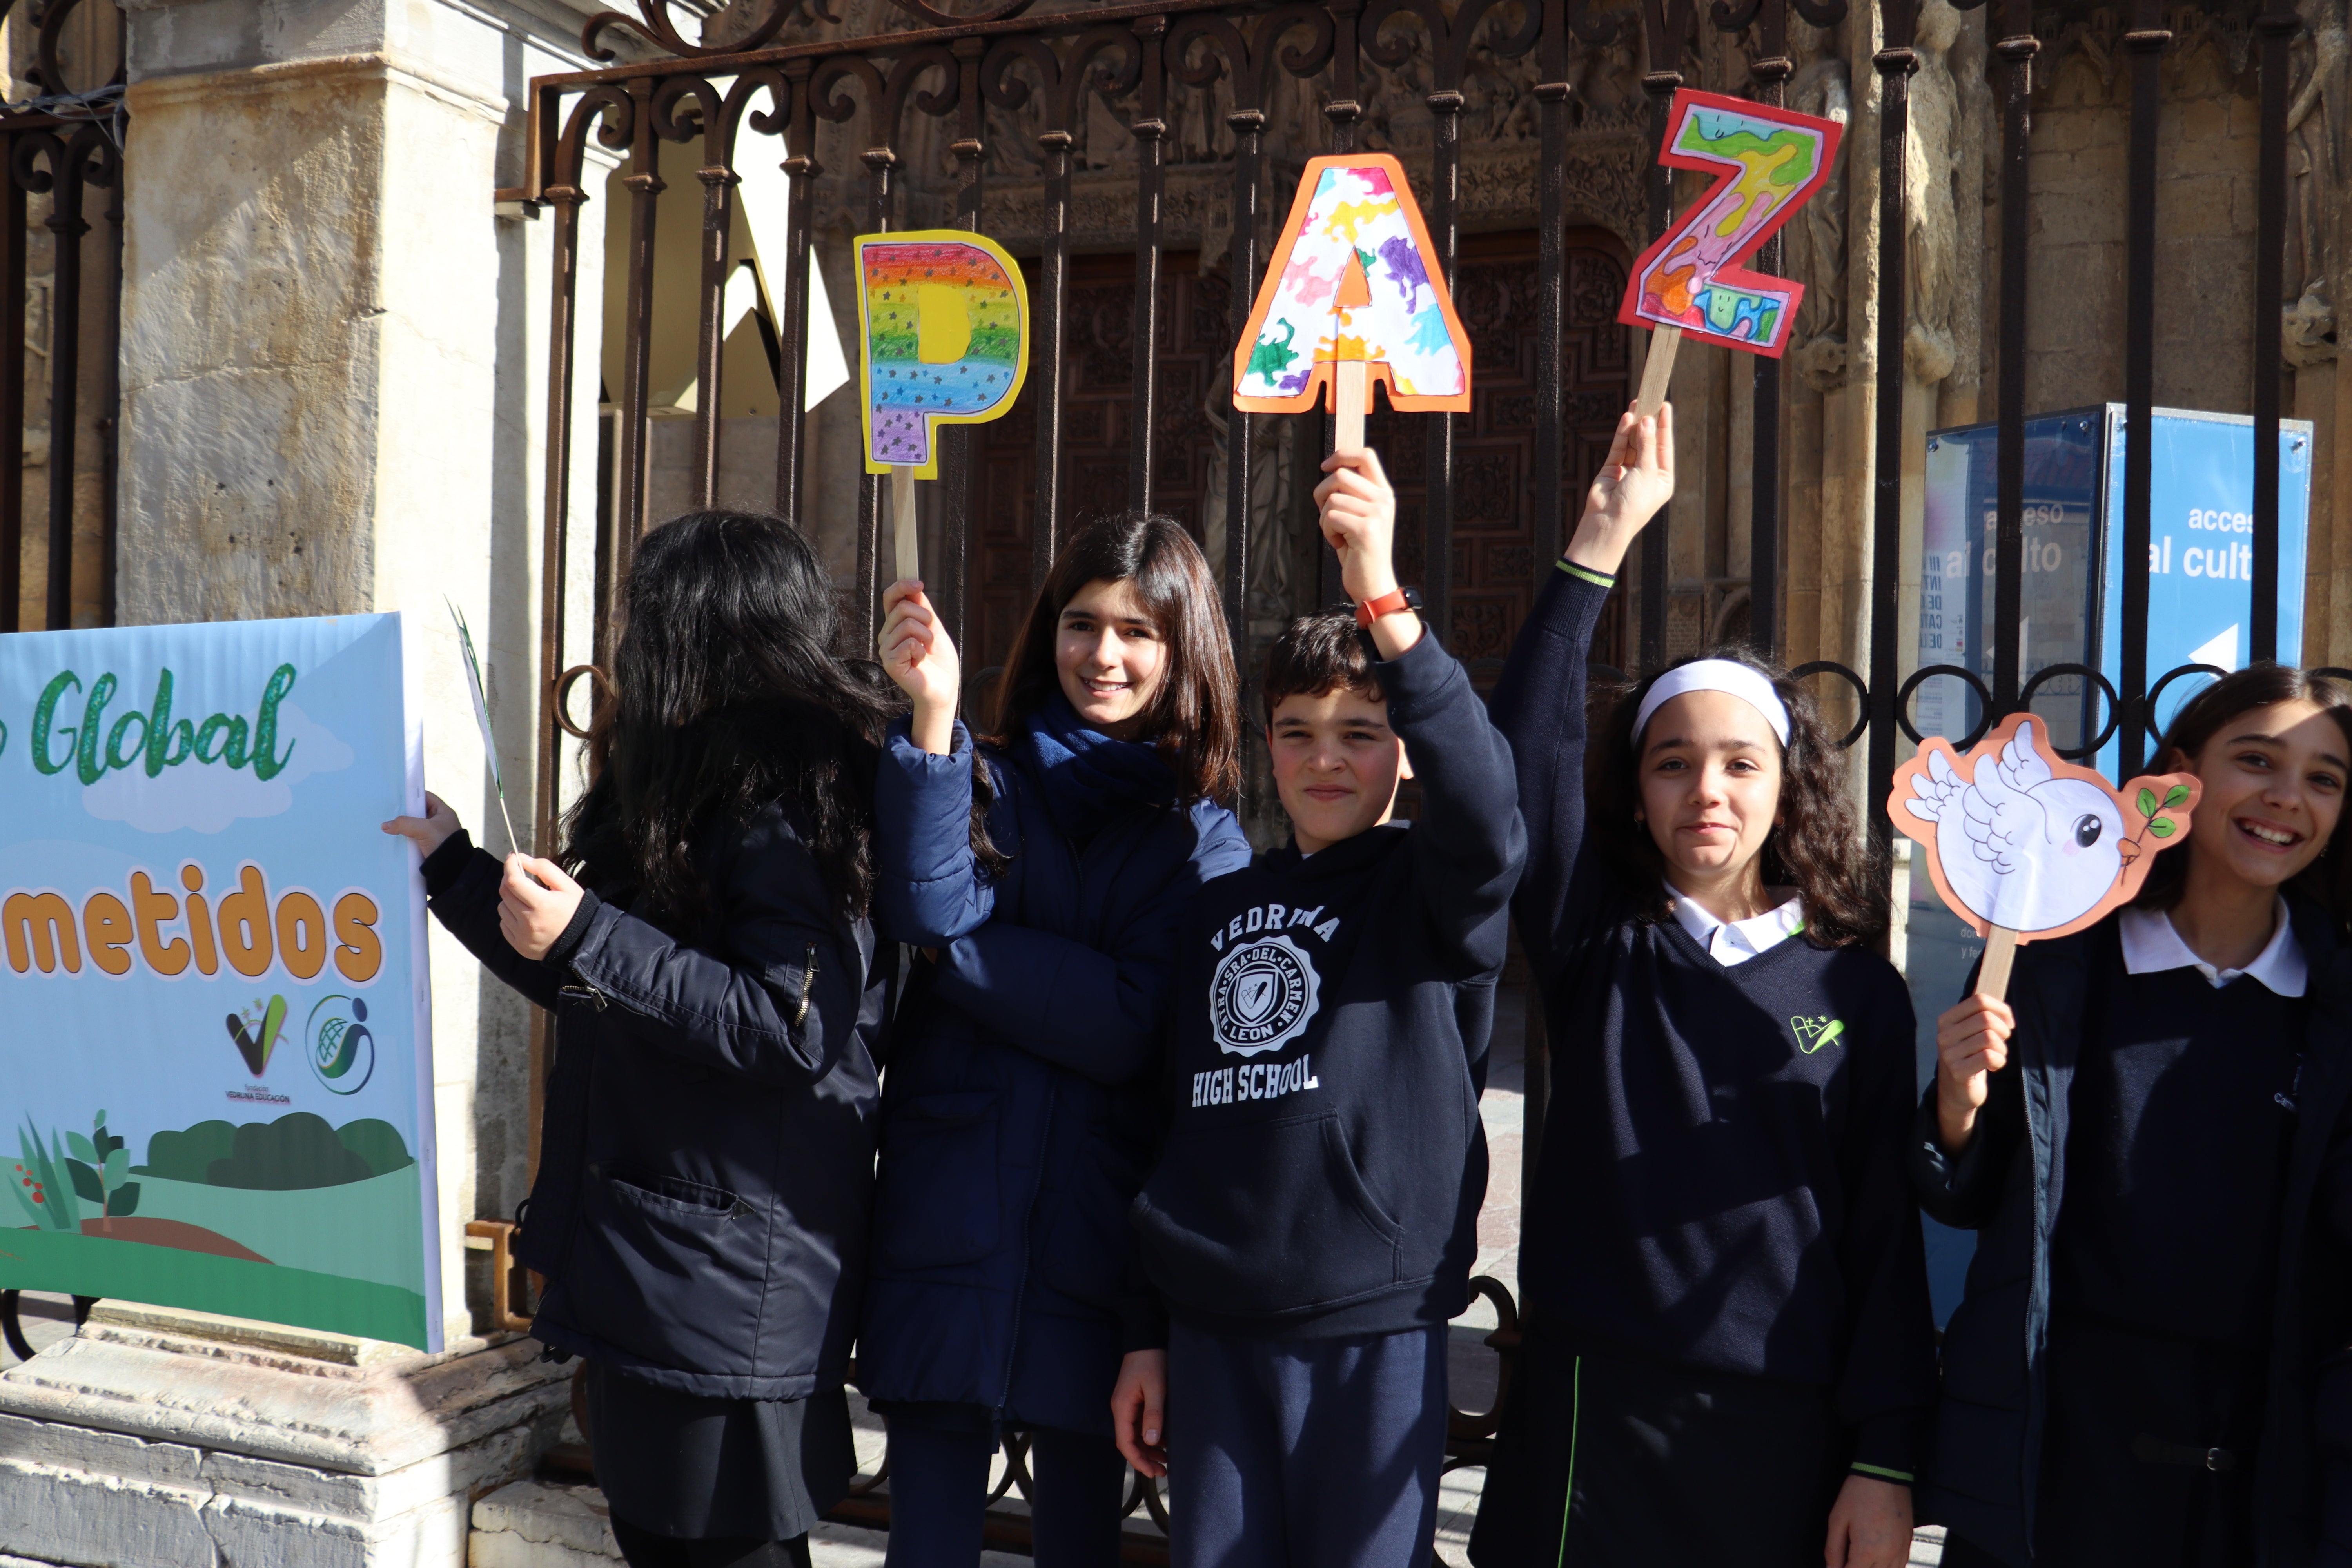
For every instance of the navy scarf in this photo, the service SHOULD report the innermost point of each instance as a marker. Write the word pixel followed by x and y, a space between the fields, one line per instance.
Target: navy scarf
pixel 1087 777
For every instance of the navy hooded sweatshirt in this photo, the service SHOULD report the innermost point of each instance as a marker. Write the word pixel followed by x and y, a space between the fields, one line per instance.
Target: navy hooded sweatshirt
pixel 1017 1117
pixel 1723 1180
pixel 1325 1160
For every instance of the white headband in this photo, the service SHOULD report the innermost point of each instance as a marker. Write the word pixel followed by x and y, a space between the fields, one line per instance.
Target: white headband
pixel 1716 675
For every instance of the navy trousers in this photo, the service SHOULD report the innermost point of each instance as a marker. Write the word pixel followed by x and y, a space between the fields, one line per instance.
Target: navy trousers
pixel 938 1483
pixel 1305 1453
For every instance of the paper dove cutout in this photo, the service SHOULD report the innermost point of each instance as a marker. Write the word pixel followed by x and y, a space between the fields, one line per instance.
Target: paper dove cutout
pixel 2019 839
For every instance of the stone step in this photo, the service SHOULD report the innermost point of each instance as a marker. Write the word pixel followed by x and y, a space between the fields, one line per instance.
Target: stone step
pixel 548 1524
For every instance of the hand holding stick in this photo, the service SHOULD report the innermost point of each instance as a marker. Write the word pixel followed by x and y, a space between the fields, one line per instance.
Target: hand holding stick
pixel 917 653
pixel 1635 481
pixel 1359 520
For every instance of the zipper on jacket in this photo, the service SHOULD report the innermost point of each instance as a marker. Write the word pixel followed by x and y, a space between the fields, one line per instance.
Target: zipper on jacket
pixel 808 980
pixel 582 993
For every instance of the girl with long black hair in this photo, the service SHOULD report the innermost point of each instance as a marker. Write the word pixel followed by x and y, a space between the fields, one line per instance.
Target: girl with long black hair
pixel 1727 1352
pixel 2140 1137
pixel 703 941
pixel 1020 1118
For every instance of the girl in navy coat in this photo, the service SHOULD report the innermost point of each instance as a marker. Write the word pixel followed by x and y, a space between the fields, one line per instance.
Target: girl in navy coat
pixel 1728 1352
pixel 699 1210
pixel 1045 872
pixel 2146 1137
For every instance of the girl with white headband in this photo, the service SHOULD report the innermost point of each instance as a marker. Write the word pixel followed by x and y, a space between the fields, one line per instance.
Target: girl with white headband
pixel 1729 1355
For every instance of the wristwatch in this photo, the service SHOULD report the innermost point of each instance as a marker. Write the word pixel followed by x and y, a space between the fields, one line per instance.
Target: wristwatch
pixel 1387 604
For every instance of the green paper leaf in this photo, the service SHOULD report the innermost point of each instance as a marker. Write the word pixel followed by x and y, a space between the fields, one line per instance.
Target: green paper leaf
pixel 85 1181
pixel 2177 795
pixel 84 1150
pixel 2146 802
pixel 123 1200
pixel 2161 827
pixel 118 1167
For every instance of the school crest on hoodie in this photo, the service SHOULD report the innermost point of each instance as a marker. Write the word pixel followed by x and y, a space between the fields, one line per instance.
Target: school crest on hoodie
pixel 1265 992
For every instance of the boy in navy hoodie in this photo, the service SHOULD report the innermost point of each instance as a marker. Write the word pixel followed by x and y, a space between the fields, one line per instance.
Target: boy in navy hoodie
pixel 1312 1220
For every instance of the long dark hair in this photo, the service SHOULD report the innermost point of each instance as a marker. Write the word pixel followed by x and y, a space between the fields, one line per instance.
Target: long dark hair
pixel 1815 844
pixel 2327 880
pixel 1194 717
pixel 726 696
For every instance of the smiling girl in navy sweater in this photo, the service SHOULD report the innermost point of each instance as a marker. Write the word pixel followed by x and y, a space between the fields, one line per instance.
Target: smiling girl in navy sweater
pixel 2147 1138
pixel 1017 1116
pixel 1728 1351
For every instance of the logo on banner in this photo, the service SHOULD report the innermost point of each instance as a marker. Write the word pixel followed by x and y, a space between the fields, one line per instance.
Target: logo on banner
pixel 1262 996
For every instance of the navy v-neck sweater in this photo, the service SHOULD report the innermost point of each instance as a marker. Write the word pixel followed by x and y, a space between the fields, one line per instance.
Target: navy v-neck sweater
pixel 2182 1119
pixel 1722 1182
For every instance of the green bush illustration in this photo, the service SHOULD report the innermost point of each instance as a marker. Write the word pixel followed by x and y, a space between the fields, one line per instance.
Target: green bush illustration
pixel 294 1152
pixel 378 1143
pixel 44 1189
pixel 188 1156
pixel 101 1168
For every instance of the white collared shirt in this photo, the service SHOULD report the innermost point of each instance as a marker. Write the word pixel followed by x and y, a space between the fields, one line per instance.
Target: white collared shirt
pixel 2152 946
pixel 1736 942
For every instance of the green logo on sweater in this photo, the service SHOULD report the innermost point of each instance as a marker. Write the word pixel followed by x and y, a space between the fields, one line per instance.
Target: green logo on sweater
pixel 1813 1033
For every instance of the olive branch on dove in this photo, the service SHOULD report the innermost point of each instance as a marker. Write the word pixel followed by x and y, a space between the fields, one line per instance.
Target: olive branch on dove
pixel 2024 845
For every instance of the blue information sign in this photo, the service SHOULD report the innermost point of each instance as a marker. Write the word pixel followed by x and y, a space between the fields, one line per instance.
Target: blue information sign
pixel 2201 566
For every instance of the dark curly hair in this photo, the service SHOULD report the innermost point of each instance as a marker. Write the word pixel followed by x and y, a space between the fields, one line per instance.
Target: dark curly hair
pixel 2327 880
pixel 727 696
pixel 1816 844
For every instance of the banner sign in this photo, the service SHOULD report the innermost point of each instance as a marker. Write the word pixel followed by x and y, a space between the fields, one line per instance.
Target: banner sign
pixel 215 1078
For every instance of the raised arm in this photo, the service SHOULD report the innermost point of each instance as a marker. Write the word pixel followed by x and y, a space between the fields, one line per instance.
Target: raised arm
pixel 1096 1011
pixel 1538 704
pixel 1467 843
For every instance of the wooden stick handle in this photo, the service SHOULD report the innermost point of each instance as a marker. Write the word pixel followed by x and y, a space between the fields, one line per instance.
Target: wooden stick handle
pixel 1351 401
pixel 1657 370
pixel 902 521
pixel 2001 952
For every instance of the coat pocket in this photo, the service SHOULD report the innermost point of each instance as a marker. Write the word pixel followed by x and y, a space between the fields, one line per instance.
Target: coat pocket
pixel 668 1270
pixel 1265 1217
pixel 938 1200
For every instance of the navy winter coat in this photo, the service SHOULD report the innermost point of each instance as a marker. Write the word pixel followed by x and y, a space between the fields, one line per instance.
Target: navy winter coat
pixel 1019 1118
pixel 706 1153
pixel 2007 1185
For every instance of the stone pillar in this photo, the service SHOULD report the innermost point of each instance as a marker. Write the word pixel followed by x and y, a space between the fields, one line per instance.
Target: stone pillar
pixel 333 363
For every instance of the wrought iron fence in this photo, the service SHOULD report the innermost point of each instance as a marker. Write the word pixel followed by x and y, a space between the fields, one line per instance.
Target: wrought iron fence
pixel 1137 60
pixel 63 148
